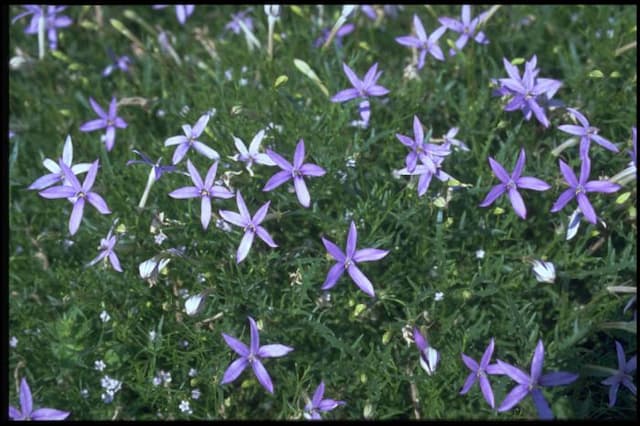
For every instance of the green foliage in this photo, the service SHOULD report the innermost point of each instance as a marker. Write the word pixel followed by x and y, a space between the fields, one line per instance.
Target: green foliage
pixel 356 344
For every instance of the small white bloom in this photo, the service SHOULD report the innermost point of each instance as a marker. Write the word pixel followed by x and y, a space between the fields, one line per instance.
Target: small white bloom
pixel 107 397
pixel 243 82
pixel 104 316
pixel 13 342
pixel 545 271
pixel 193 372
pixel 185 407
pixel 159 238
pixel 351 162
pixel 195 394
pixel 429 360
pixel 479 254
pixel 161 113
pixel 84 393
pixel 438 296
pixel 152 335
pixel 99 365
pixel 157 381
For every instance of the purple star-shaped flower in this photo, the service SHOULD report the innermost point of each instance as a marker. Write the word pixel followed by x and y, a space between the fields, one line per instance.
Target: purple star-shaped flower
pixel 479 373
pixel 251 155
pixel 420 150
pixel 429 356
pixel 622 376
pixel 121 62
pixel 78 193
pixel 110 121
pixel 234 25
pixel 342 31
pixel 449 139
pixel 56 174
pixel 27 412
pixel 205 190
pixel 253 356
pixel 189 140
pixel 530 384
pixel 529 92
pixel 250 225
pixel 510 185
pixel 580 188
pixel 52 21
pixel 317 404
pixel 423 43
pixel 361 89
pixel 426 172
pixel 587 134
pixel 183 11
pixel 466 27
pixel 297 172
pixel 106 250
pixel 158 169
pixel 347 261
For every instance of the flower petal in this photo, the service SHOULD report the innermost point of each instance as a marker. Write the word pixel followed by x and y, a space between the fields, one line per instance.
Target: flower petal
pixel 98 202
pixel 115 262
pixel 235 344
pixel 97 108
pixel 76 215
pixel 175 140
pixel 93 125
pixel 333 250
pixel 332 277
pixel 544 411
pixel 277 179
pixel 586 208
pixel 572 130
pixel 515 373
pixel 563 199
pixel 493 194
pixel 58 192
pixel 361 280
pixel 487 392
pixel 537 361
pixel 601 186
pixel 298 155
pixel 49 414
pixel 486 356
pixel 568 174
pixel 279 160
pixel 274 351
pixel 345 95
pixel 499 171
pixel 185 192
pixel 468 383
pixel 369 254
pixel 517 203
pixel 301 191
pixel 233 217
pixel 203 149
pixel 245 246
pixel 470 363
pixel 527 182
pixel 557 378
pixel 604 143
pixel 234 370
pixel 200 125
pixel 262 375
pixel 264 236
pixel 353 78
pixel 514 397
pixel 309 169
pixel 45 181
pixel 26 401
pixel 205 212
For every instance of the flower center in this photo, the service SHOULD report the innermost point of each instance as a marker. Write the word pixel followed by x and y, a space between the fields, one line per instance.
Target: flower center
pixel 511 184
pixel 109 123
pixel 251 227
pixel 347 262
pixel 580 189
pixel 204 193
pixel 81 194
pixel 296 173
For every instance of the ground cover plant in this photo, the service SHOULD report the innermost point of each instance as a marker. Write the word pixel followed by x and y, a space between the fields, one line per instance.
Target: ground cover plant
pixel 266 239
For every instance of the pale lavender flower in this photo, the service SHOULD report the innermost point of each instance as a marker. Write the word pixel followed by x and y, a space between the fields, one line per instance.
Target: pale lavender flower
pixel 296 171
pixel 429 357
pixel 251 155
pixel 425 44
pixel 420 150
pixel 530 94
pixel 253 356
pixel 56 174
pixel 318 404
pixel 106 251
pixel 425 171
pixel 449 139
pixel 587 133
pixel 250 225
pixel 183 11
pixel 121 62
pixel 342 31
pixel 362 89
pixel 580 188
pixel 11 134
pixel 189 140
pixel 510 185
pixel 158 169
pixel 622 376
pixel 234 25
pixel 80 193
pixel 52 21
pixel 205 190
pixel 110 121
pixel 13 342
pixel 466 27
pixel 27 412
pixel 479 373
pixel 531 384
pixel 185 407
pixel 347 262
pixel 369 11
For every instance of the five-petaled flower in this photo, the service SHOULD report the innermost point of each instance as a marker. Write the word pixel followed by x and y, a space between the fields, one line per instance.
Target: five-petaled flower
pixel 347 261
pixel 466 27
pixel 580 188
pixel 51 21
pixel 510 185
pixel 297 172
pixel 587 134
pixel 361 89
pixel 420 150
pixel 251 155
pixel 479 373
pixel 106 250
pixel 423 43
pixel 205 190
pixel 250 225
pixel 27 412
pixel 530 384
pixel 529 93
pixel 317 403
pixel 429 357
pixel 109 121
pixel 253 356
pixel 122 63
pixel 622 376
pixel 78 193
pixel 183 11
pixel 56 174
pixel 190 140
